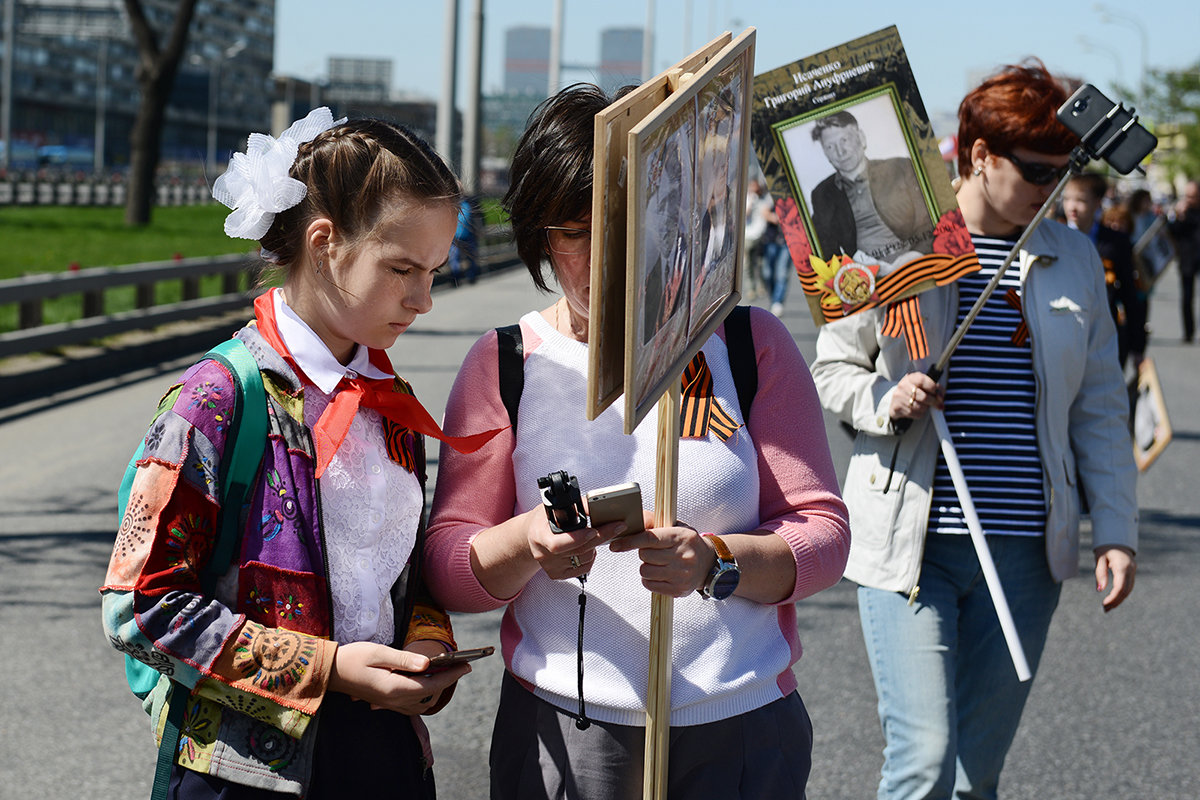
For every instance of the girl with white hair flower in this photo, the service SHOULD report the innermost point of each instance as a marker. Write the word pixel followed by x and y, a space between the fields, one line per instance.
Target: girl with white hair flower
pixel 306 669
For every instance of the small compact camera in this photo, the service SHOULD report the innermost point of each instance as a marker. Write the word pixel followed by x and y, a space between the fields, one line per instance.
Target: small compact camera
pixel 566 511
pixel 562 501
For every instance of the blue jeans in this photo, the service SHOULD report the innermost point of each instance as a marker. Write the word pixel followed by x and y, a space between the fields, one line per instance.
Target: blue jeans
pixel 949 698
pixel 776 270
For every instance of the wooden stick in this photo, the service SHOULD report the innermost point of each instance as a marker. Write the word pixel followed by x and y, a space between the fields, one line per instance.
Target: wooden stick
pixel 662 607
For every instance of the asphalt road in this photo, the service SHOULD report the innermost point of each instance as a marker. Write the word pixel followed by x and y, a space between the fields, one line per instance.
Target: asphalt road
pixel 1113 713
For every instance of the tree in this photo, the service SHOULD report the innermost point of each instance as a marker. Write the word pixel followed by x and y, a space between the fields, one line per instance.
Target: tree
pixel 158 63
pixel 1171 106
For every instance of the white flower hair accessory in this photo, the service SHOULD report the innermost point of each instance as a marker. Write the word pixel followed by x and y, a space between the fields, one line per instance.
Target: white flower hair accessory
pixel 257 185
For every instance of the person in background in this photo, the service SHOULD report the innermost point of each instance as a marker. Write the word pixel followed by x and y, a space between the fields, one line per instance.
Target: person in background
pixel 760 526
pixel 756 226
pixel 464 252
pixel 1082 202
pixel 1037 410
pixel 777 269
pixel 1184 224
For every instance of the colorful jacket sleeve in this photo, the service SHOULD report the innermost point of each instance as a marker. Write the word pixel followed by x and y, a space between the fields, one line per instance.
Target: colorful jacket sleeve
pixel 153 606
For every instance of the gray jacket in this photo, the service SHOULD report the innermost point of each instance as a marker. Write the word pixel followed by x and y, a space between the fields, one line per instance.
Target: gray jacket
pixel 1081 415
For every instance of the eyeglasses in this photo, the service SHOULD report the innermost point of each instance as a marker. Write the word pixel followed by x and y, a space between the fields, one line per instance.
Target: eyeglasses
pixel 1037 173
pixel 569 241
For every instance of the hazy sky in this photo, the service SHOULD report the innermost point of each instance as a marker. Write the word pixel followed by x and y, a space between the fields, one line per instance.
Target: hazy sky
pixel 950 45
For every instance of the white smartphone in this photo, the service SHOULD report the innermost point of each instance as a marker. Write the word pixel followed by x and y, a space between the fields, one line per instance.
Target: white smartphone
pixel 620 503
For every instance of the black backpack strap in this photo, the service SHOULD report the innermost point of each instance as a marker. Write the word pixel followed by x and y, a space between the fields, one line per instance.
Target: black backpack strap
pixel 510 351
pixel 743 361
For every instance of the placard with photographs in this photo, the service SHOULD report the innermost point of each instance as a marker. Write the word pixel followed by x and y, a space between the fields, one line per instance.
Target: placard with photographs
pixel 610 211
pixel 1153 252
pixel 1151 426
pixel 861 190
pixel 688 166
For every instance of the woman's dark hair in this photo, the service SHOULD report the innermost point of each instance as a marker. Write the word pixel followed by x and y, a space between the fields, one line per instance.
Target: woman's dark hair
pixel 351 172
pixel 550 181
pixel 1016 107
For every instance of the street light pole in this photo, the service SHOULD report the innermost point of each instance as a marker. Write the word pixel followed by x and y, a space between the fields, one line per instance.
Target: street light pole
pixel 214 78
pixel 1112 52
pixel 445 111
pixel 556 34
pixel 1108 15
pixel 101 105
pixel 6 79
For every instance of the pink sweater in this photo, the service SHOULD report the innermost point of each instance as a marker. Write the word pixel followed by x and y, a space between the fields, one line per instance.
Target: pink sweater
pixel 775 474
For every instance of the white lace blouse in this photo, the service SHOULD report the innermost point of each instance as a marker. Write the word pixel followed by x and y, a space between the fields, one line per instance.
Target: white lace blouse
pixel 370 505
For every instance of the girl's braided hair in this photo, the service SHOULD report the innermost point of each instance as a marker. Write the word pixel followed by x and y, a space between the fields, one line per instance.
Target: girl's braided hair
pixel 353 172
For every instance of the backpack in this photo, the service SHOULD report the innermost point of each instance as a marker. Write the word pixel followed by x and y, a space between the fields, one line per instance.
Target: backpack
pixel 244 451
pixel 739 341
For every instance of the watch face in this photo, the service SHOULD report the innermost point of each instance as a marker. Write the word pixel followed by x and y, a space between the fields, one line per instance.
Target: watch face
pixel 725 582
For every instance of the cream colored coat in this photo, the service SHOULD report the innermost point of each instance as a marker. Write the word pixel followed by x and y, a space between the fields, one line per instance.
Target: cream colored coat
pixel 1081 416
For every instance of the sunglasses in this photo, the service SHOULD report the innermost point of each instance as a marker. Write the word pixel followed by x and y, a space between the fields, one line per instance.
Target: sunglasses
pixel 1037 173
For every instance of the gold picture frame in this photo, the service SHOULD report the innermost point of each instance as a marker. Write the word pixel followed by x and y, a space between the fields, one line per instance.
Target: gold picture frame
pixel 1151 424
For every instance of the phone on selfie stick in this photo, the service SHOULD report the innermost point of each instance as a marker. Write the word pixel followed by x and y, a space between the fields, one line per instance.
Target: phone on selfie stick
pixel 1108 130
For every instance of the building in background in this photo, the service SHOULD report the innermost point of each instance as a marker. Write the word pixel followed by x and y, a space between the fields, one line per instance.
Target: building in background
pixel 74 84
pixel 526 60
pixel 360 79
pixel 620 58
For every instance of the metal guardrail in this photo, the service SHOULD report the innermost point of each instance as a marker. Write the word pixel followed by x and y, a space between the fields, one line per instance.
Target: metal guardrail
pixel 29 294
pixel 37 192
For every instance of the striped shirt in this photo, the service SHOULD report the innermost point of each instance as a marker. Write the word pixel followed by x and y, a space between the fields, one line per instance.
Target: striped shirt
pixel 990 398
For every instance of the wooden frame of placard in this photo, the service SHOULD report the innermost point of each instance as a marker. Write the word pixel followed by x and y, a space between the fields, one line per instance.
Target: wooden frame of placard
pixel 1147 389
pixel 606 303
pixel 653 362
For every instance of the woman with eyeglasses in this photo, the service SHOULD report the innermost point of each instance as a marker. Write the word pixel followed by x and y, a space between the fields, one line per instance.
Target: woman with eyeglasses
pixel 1036 406
pixel 572 705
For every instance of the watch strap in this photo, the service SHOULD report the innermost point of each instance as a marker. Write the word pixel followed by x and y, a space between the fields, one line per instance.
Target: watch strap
pixel 722 549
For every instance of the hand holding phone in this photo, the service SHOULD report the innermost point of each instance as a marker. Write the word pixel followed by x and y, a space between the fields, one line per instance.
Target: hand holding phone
pixel 620 503
pixel 447 660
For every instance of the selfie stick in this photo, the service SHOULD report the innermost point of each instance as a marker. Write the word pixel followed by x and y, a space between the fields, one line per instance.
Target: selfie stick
pixel 1080 156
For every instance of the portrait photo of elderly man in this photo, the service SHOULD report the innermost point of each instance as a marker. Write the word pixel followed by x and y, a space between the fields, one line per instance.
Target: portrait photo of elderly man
pixel 870 209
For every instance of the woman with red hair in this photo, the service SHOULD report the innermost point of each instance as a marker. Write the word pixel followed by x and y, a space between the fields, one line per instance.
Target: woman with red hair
pixel 1035 403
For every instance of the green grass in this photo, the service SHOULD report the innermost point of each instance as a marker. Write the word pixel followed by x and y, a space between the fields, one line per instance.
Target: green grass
pixel 493 214
pixel 51 238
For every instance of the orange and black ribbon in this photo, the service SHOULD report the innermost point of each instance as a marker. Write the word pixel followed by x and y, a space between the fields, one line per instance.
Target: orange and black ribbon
pixel 699 410
pixel 935 269
pixel 903 318
pixel 1021 335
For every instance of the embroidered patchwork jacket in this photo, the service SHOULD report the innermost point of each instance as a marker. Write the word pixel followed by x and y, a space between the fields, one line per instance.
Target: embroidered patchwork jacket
pixel 255 658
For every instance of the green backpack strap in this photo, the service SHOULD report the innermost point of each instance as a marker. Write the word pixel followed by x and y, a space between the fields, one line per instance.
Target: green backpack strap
pixel 240 465
pixel 244 450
